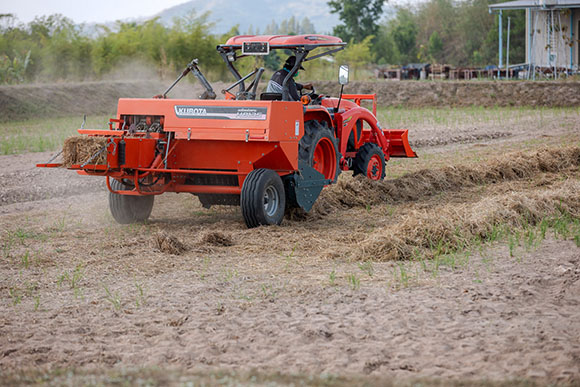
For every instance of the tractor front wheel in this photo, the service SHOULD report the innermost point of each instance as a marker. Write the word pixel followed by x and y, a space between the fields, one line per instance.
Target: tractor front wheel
pixel 263 199
pixel 370 161
pixel 129 208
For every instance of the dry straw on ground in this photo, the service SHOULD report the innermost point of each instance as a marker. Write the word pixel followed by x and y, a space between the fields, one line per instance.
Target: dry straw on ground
pixel 216 238
pixel 80 149
pixel 168 244
pixel 361 192
pixel 447 228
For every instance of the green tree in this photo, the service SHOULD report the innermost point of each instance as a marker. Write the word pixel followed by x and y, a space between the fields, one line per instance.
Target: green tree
pixel 385 47
pixel 403 30
pixel 13 70
pixel 356 55
pixel 474 23
pixel 435 47
pixel 271 29
pixel 306 26
pixel 359 18
pixel 489 49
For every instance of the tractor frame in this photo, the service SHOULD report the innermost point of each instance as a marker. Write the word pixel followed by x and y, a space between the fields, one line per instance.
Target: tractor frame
pixel 265 154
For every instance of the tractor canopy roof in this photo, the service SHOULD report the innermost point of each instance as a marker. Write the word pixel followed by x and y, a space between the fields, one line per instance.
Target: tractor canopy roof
pixel 250 45
pixel 284 41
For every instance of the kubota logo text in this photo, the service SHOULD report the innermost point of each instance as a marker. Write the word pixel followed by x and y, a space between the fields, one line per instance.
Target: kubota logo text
pixel 221 112
pixel 189 111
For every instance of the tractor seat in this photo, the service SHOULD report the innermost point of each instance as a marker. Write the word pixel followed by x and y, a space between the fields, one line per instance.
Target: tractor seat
pixel 271 97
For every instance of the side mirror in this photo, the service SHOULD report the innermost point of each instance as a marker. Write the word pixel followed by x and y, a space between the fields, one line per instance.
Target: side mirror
pixel 343 75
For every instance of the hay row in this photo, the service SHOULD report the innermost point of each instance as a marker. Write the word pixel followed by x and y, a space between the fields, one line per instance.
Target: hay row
pixel 360 192
pixel 79 149
pixel 456 226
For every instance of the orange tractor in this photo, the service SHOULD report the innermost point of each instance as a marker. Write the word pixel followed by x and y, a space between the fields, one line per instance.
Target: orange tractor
pixel 265 154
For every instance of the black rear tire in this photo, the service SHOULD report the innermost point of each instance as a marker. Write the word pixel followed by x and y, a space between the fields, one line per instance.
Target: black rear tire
pixel 263 199
pixel 370 162
pixel 129 208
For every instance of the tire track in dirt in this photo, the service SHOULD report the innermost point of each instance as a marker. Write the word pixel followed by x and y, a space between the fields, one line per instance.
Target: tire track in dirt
pixel 459 139
pixel 23 183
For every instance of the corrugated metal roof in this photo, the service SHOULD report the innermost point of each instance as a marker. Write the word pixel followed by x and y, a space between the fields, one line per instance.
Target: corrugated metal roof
pixel 537 4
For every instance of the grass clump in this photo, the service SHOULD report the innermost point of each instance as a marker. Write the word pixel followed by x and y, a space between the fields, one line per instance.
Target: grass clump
pixel 74 279
pixel 354 281
pixel 113 298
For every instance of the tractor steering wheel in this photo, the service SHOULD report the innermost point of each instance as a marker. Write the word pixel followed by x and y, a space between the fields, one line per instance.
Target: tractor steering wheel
pixel 313 91
pixel 312 94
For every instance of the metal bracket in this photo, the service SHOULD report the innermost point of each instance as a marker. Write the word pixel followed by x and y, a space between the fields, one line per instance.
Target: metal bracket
pixel 305 186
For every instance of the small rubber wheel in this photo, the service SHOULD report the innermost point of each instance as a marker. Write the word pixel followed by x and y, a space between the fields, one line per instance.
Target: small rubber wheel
pixel 370 161
pixel 263 199
pixel 319 149
pixel 129 208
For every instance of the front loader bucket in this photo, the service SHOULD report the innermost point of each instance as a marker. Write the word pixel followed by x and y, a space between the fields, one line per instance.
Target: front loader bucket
pixel 399 143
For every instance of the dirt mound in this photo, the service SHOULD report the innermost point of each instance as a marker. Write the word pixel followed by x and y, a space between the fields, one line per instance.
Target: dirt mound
pixel 361 192
pixel 83 149
pixel 456 93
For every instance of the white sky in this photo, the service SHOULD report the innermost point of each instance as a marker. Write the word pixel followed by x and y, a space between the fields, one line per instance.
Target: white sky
pixel 81 11
pixel 101 11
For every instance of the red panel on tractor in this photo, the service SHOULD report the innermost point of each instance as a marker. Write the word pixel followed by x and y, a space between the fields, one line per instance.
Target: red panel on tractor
pixel 221 135
pixel 221 120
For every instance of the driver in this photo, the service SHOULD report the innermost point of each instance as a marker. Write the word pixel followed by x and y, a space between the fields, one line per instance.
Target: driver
pixel 275 84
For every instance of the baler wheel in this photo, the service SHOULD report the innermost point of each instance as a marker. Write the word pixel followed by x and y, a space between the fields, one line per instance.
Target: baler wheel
pixel 263 199
pixel 318 148
pixel 129 208
pixel 370 161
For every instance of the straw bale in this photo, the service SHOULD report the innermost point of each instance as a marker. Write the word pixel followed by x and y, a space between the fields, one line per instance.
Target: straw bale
pixel 79 149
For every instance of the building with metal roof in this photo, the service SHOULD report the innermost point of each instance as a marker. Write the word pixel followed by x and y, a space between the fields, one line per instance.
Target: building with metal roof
pixel 552 34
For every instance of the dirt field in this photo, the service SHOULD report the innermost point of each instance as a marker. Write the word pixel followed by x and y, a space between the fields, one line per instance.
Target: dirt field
pixel 462 267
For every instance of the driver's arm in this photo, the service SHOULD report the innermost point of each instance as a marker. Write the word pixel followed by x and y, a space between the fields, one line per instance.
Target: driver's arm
pixel 293 89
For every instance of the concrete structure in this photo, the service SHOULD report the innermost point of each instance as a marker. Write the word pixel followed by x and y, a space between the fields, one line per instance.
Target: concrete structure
pixel 552 33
